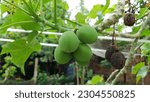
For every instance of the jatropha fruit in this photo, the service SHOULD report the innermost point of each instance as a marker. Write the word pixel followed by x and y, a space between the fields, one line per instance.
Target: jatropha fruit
pixel 83 54
pixel 129 19
pixel 61 57
pixel 110 50
pixel 69 42
pixel 114 56
pixel 87 34
pixel 118 60
pixel 74 46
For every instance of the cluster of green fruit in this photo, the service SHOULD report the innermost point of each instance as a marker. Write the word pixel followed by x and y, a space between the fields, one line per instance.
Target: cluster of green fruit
pixel 74 46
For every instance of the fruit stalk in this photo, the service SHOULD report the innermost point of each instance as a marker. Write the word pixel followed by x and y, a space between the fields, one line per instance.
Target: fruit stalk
pixel 77 74
pixel 83 75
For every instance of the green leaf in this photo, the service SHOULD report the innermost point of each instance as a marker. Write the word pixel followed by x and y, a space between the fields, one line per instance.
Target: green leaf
pixel 106 6
pixel 149 59
pixel 52 36
pixel 135 29
pixel 96 8
pixel 20 19
pixel 120 27
pixel 145 48
pixel 80 18
pixel 65 5
pixel 142 12
pixel 96 79
pixel 46 1
pixel 137 67
pixel 4 8
pixel 32 35
pixel 89 73
pixel 20 50
pixel 138 78
pixel 111 9
pixel 141 73
pixel 20 16
pixel 146 32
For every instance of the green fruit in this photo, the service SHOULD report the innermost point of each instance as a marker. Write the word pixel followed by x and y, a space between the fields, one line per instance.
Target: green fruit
pixel 83 53
pixel 82 63
pixel 61 57
pixel 69 42
pixel 87 34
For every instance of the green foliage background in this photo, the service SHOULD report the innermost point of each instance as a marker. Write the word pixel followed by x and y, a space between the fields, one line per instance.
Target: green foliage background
pixel 53 16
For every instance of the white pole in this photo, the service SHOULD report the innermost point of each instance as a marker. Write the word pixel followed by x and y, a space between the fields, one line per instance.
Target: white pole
pixel 29 31
pixel 59 34
pixel 102 51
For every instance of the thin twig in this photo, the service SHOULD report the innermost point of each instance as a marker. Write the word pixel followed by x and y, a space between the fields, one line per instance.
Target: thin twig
pixel 112 75
pixel 74 22
pixel 83 76
pixel 77 74
pixel 125 35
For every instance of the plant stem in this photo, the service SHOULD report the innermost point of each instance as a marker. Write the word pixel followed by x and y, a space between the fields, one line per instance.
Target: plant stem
pixel 35 70
pixel 114 18
pixel 30 9
pixel 77 74
pixel 73 22
pixel 125 35
pixel 83 76
pixel 41 9
pixel 112 76
pixel 60 28
pixel 55 12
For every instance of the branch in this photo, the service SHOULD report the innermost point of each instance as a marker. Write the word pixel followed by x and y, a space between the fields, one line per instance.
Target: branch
pixel 113 18
pixel 32 12
pixel 52 25
pixel 112 75
pixel 132 50
pixel 125 35
pixel 74 22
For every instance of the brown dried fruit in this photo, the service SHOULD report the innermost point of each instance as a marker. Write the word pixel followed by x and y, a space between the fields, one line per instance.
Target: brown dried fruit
pixel 118 60
pixel 110 50
pixel 129 19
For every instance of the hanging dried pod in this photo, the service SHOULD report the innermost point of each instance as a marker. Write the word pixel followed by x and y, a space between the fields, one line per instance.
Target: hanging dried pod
pixel 129 19
pixel 110 50
pixel 118 60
